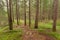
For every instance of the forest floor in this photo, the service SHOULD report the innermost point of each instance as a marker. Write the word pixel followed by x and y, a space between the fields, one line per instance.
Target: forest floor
pixel 29 34
pixel 21 32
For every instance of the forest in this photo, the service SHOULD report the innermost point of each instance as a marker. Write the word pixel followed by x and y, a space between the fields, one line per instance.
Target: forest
pixel 29 19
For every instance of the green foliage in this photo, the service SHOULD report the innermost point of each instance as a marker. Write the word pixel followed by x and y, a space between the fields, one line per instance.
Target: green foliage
pixel 53 34
pixel 11 35
pixel 4 28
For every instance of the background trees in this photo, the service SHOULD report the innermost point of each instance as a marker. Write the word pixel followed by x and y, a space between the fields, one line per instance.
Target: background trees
pixel 30 11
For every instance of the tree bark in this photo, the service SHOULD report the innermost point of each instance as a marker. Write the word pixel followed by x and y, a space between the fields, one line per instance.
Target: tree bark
pixel 37 14
pixel 12 12
pixel 10 16
pixel 25 12
pixel 17 12
pixel 29 14
pixel 55 7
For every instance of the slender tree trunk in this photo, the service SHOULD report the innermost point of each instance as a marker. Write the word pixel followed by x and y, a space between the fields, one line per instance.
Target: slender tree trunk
pixel 40 11
pixel 25 12
pixel 49 14
pixel 37 14
pixel 7 8
pixel 17 12
pixel 12 12
pixel 43 13
pixel 8 12
pixel 29 14
pixel 10 16
pixel 13 17
pixel 55 7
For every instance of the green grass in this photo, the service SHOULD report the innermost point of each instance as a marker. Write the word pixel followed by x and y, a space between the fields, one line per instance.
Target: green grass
pixel 48 25
pixel 4 28
pixel 11 35
pixel 53 34
pixel 44 26
pixel 16 34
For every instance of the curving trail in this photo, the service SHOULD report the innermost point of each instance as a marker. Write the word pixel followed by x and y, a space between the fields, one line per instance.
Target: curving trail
pixel 29 34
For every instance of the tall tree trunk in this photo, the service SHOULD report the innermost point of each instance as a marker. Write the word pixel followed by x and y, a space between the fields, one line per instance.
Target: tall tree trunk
pixel 37 14
pixel 12 12
pixel 8 12
pixel 17 12
pixel 40 11
pixel 10 15
pixel 29 14
pixel 25 12
pixel 7 8
pixel 55 7
pixel 44 11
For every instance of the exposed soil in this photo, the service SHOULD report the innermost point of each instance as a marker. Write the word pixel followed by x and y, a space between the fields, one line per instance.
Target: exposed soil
pixel 29 34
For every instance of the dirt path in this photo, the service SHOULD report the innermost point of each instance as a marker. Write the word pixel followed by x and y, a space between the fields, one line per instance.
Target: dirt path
pixel 29 34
